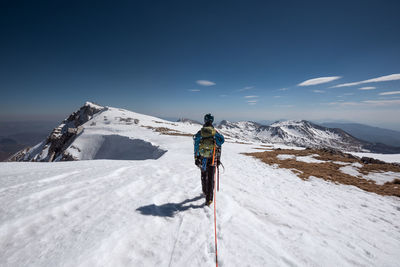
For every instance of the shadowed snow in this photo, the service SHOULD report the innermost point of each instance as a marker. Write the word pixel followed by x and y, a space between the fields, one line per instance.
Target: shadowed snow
pixel 123 148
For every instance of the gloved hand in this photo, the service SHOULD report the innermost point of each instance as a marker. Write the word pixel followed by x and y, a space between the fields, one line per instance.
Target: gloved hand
pixel 197 161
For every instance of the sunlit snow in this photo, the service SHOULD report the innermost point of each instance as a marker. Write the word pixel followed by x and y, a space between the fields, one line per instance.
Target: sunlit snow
pixel 150 212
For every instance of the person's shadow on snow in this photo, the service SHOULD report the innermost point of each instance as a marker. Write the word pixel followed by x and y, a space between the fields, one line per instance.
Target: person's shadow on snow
pixel 169 209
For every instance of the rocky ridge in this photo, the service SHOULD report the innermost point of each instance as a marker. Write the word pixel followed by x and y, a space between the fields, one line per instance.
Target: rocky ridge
pixel 293 133
pixel 53 147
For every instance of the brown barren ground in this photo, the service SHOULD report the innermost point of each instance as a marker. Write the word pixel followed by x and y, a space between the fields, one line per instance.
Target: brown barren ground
pixel 167 131
pixel 330 171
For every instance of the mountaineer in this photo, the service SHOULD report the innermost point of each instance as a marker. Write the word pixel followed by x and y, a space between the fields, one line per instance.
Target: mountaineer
pixel 207 155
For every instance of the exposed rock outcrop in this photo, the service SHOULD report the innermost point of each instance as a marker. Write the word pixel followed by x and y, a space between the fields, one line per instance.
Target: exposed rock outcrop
pixel 60 138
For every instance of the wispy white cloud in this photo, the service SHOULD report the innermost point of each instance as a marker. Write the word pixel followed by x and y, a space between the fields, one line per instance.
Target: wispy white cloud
pixel 251 96
pixel 345 103
pixel 223 95
pixel 390 93
pixel 277 96
pixel 205 82
pixel 350 103
pixel 318 91
pixel 386 78
pixel 252 102
pixel 284 106
pixel 367 88
pixel 246 88
pixel 283 89
pixel 383 102
pixel 346 94
pixel 319 80
pixel 194 90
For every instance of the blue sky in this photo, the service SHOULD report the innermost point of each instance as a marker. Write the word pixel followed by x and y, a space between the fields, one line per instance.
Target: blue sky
pixel 149 56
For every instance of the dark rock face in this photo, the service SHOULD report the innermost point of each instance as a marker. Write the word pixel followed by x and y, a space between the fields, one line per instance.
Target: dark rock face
pixel 337 152
pixel 60 138
pixel 367 160
pixel 226 124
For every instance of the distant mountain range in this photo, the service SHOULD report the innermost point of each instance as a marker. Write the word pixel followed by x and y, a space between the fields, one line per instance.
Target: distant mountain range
pixel 302 133
pixel 369 133
pixel 188 120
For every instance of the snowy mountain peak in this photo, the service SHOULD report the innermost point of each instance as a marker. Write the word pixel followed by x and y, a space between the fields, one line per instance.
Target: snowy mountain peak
pixel 291 123
pixel 186 120
pixel 97 132
pixel 53 148
pixel 224 122
pixel 92 105
pixel 292 132
pixel 239 125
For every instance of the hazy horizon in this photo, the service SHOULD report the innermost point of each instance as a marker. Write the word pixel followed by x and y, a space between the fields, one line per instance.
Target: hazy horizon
pixel 56 119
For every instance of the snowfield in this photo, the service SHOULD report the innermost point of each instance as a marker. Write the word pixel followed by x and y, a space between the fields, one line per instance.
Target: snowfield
pixel 149 211
pixel 379 177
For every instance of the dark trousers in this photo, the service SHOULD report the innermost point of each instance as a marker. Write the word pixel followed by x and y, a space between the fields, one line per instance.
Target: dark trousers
pixel 207 182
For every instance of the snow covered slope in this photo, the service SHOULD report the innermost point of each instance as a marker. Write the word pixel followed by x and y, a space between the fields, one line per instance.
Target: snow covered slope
pixel 150 213
pixel 96 132
pixel 294 133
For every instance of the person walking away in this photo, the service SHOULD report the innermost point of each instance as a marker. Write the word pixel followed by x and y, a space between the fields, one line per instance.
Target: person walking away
pixel 204 142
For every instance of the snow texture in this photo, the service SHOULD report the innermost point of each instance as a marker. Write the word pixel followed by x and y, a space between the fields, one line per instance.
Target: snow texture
pixel 351 170
pixel 379 177
pixel 285 156
pixel 340 163
pixel 382 177
pixel 309 159
pixel 150 213
pixel 306 159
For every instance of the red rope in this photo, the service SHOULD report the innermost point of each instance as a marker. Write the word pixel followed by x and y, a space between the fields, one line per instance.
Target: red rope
pixel 215 208
pixel 215 222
